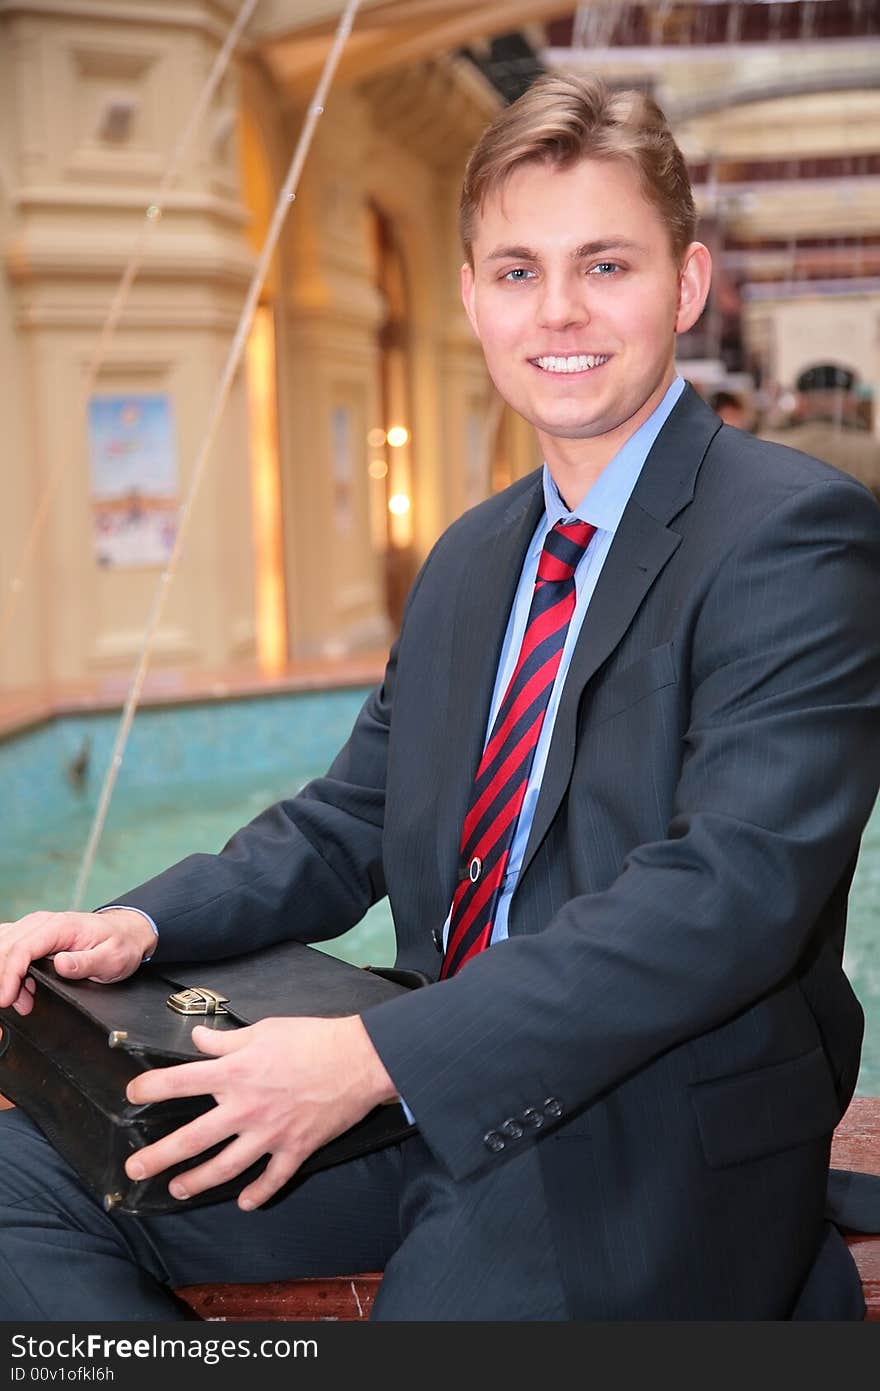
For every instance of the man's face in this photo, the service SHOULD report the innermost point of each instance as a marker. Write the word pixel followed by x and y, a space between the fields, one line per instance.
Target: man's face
pixel 571 265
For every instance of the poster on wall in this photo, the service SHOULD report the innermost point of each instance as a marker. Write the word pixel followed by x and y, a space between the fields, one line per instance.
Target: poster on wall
pixel 134 480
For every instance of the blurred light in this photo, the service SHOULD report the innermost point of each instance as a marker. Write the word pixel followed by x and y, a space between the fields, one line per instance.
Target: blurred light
pixel 397 436
pixel 377 468
pixel 270 605
pixel 398 504
pixel 376 438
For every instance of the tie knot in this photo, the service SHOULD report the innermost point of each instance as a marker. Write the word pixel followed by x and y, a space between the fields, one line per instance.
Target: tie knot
pixel 564 545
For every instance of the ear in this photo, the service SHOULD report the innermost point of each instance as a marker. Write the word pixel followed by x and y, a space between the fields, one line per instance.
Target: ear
pixel 468 295
pixel 694 280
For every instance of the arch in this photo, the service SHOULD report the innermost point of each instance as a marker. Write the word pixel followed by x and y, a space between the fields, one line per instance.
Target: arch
pixel 401 203
pixel 393 281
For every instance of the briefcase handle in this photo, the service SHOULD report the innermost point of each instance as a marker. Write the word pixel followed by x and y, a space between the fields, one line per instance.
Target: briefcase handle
pixel 411 979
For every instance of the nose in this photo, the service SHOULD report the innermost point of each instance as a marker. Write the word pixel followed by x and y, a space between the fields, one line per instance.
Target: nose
pixel 563 302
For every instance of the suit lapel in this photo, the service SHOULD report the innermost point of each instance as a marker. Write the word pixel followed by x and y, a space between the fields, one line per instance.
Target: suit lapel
pixel 641 548
pixel 485 595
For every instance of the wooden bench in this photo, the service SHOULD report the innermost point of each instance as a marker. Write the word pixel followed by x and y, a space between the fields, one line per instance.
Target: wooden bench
pixel 348 1297
pixel 856 1145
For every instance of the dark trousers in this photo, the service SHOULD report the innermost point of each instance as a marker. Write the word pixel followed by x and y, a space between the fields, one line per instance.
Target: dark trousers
pixel 482 1249
pixel 474 1250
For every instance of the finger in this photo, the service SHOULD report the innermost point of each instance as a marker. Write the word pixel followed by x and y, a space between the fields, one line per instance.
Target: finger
pixel 24 1001
pixel 237 1156
pixel 281 1167
pixel 18 957
pixel 184 1143
pixel 217 1042
pixel 186 1079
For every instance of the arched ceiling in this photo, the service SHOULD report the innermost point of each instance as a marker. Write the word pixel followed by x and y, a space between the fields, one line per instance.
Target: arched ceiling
pixel 294 36
pixel 745 83
pixel 704 59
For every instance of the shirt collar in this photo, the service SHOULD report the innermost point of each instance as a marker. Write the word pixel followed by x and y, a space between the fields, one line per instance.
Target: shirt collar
pixel 604 502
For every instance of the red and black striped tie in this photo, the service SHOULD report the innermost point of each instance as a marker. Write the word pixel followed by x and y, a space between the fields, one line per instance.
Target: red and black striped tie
pixel 502 777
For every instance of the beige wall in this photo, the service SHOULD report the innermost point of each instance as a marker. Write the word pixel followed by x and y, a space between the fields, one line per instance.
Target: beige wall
pixel 79 202
pixel 25 659
pixel 72 204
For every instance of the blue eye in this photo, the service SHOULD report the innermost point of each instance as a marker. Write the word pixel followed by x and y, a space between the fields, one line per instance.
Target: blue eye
pixel 605 267
pixel 517 270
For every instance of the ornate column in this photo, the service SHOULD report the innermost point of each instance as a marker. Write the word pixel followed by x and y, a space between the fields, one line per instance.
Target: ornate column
pixel 96 97
pixel 329 398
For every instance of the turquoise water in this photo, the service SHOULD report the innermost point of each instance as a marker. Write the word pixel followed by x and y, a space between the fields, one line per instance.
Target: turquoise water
pixel 194 774
pixel 190 777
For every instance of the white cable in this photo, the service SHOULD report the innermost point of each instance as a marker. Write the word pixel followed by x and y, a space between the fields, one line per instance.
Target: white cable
pixel 285 198
pixel 152 217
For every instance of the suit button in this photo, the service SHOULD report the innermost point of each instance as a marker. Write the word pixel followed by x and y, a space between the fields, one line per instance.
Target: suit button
pixel 533 1118
pixel 512 1129
pixel 553 1107
pixel 493 1141
pixel 437 938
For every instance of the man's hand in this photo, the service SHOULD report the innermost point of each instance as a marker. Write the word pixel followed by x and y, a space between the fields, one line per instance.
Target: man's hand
pixel 283 1087
pixel 85 946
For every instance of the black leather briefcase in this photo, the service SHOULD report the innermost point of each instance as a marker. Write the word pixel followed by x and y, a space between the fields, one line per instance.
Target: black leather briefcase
pixel 68 1062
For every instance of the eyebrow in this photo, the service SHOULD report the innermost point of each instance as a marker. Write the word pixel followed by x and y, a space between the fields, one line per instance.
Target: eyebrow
pixel 589 248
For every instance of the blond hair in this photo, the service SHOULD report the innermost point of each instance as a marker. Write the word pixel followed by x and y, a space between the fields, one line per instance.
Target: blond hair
pixel 566 117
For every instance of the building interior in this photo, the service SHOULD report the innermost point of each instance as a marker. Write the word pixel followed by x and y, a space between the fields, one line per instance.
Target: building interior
pixel 359 420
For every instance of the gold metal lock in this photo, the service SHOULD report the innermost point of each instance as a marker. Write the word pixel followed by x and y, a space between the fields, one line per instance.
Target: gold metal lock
pixel 197 999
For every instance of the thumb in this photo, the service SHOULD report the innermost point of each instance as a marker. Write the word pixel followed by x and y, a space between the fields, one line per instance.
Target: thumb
pixel 217 1041
pixel 98 963
pixel 75 963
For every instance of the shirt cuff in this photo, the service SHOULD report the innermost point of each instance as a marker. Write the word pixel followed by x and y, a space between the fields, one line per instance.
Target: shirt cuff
pixel 108 907
pixel 407 1112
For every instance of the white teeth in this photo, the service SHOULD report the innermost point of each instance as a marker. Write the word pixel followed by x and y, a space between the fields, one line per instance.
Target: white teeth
pixel 582 363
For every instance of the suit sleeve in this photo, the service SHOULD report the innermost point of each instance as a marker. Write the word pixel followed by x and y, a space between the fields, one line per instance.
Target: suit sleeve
pixel 779 772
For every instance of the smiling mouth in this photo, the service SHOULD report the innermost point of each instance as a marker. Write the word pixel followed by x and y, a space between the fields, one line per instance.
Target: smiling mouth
pixel 580 362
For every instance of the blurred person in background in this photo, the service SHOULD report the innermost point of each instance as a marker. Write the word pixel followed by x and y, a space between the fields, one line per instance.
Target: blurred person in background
pixel 827 424
pixel 731 407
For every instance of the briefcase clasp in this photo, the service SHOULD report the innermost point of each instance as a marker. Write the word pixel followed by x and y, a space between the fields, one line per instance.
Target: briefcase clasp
pixel 197 999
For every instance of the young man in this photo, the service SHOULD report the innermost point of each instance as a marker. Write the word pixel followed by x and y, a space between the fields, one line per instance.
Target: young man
pixel 614 783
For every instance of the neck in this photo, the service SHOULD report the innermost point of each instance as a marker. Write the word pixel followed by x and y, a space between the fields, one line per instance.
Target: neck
pixel 575 464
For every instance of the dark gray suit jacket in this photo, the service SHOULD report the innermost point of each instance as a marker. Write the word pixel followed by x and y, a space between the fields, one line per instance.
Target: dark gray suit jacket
pixel 669 1021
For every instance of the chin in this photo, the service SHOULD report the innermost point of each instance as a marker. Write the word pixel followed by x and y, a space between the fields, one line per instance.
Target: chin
pixel 572 429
